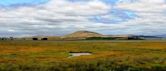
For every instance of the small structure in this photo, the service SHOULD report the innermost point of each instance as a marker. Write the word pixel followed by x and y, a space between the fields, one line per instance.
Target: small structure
pixel 44 38
pixel 34 38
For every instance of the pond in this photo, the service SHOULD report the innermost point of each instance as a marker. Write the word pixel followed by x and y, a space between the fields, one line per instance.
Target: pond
pixel 76 54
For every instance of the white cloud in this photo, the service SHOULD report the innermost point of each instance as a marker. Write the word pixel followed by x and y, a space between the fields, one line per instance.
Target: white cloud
pixel 56 14
pixel 62 16
pixel 151 16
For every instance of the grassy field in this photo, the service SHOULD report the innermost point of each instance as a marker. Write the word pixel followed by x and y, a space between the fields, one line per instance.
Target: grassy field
pixel 106 56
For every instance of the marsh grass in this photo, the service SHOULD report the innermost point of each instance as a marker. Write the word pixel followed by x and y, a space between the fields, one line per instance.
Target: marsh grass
pixel 107 56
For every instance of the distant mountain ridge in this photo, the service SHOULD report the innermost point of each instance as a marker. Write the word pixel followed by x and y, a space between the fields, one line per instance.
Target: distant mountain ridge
pixel 89 35
pixel 164 36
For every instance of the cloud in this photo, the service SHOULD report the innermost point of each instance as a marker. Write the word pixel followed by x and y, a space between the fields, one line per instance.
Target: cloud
pixel 151 18
pixel 58 17
pixel 56 14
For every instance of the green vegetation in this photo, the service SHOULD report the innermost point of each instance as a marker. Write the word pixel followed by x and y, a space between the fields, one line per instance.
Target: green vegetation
pixel 141 55
pixel 100 38
pixel 114 38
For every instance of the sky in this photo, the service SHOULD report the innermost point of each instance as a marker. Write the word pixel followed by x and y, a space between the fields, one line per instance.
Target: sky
pixel 60 17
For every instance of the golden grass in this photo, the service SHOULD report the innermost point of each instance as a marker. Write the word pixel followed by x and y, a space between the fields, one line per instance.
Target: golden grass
pixel 98 48
pixel 142 53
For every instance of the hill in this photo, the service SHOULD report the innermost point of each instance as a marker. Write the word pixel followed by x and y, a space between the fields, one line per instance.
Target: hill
pixel 163 36
pixel 88 35
pixel 83 34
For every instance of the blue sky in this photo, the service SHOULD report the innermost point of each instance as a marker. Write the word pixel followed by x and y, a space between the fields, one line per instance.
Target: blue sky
pixel 59 17
pixel 16 2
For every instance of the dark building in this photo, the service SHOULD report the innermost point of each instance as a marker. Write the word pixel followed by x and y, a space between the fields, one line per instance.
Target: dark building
pixel 44 39
pixel 34 38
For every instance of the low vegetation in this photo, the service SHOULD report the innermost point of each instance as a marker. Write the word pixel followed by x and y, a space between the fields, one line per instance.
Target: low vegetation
pixel 141 55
